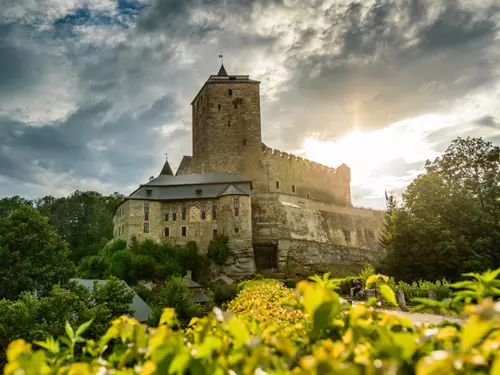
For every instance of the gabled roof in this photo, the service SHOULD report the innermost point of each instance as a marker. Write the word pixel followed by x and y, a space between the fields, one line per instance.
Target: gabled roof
pixel 166 170
pixel 232 190
pixel 141 310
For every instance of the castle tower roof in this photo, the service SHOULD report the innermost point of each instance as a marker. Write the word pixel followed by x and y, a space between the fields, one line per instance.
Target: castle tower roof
pixel 222 71
pixel 166 170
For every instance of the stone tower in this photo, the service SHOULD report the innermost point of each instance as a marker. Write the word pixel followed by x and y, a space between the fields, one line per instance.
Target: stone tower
pixel 226 125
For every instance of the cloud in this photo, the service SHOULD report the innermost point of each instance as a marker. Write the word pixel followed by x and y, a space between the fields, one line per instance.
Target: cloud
pixel 94 94
pixel 486 120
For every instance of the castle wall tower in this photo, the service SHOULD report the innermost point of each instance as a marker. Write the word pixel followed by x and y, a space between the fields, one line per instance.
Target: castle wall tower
pixel 226 125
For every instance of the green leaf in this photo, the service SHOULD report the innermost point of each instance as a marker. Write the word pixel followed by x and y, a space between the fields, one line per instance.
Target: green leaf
pixel 474 331
pixel 238 330
pixel 83 327
pixel 374 278
pixel 388 294
pixel 179 364
pixel 69 331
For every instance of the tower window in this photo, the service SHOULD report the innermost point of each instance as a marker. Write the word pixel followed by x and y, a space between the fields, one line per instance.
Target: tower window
pixel 236 230
pixel 229 124
pixel 277 184
pixel 184 231
pixel 174 213
pixel 166 213
pixel 146 227
pixel 167 232
pixel 236 206
pixel 146 211
pixel 183 211
pixel 219 107
pixel 235 106
pixel 203 211
pixel 293 188
pixel 230 92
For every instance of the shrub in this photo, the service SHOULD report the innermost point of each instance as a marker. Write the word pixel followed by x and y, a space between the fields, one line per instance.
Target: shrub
pixel 290 283
pixel 142 267
pixel 223 293
pixel 218 250
pixel 174 293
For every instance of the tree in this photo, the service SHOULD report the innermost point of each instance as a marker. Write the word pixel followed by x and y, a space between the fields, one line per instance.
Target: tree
pixel 33 318
pixel 9 205
pixel 84 219
pixel 391 206
pixel 449 222
pixel 34 257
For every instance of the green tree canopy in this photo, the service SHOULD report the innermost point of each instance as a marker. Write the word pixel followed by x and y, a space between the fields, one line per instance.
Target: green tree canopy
pixel 84 219
pixel 34 256
pixel 449 222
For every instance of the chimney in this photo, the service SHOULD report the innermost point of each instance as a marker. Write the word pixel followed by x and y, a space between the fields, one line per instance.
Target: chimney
pixel 189 274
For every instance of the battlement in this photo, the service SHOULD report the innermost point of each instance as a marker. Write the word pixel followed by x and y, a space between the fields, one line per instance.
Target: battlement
pixel 278 154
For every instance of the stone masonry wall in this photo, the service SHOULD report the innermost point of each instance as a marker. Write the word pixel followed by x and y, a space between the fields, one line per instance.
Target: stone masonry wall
pixel 315 236
pixel 226 127
pixel 202 231
pixel 310 179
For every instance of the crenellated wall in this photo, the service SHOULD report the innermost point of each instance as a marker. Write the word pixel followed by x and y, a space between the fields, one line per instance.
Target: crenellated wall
pixel 304 178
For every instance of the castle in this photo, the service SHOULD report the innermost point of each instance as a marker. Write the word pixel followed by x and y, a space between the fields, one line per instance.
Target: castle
pixel 278 210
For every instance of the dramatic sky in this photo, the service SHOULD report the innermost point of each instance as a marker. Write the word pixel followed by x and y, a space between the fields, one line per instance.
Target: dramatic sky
pixel 93 93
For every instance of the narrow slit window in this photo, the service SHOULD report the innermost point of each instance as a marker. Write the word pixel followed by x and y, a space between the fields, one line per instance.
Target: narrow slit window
pixel 230 92
pixel 244 142
pixel 229 124
pixel 146 211
pixel 184 231
pixel 167 232
pixel 235 106
pixel 214 210
pixel 236 206
pixel 184 212
pixel 203 211
pixel 219 107
pixel 293 188
pixel 236 230
pixel 277 184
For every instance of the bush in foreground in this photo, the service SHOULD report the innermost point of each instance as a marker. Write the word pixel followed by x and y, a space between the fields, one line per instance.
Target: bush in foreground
pixel 274 330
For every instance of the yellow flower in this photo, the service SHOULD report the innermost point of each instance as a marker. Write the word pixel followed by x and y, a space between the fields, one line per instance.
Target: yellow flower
pixel 16 348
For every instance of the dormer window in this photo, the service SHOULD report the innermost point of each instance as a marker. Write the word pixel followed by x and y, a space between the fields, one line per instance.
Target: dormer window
pixel 148 191
pixel 198 192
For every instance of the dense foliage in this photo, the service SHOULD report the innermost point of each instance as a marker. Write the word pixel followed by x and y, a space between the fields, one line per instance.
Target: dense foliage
pixel 34 257
pixel 33 318
pixel 146 260
pixel 273 330
pixel 174 293
pixel 218 249
pixel 83 219
pixel 449 220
